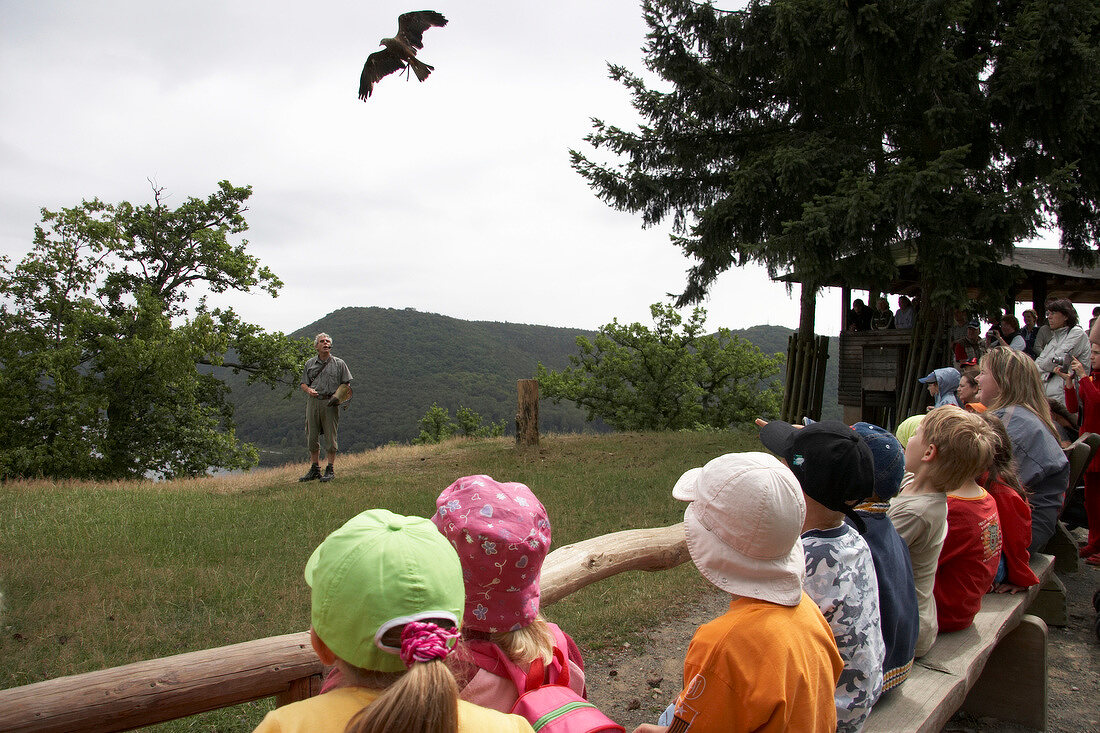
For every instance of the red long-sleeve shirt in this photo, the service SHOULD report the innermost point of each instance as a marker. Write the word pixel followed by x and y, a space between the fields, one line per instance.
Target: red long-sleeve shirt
pixel 1089 406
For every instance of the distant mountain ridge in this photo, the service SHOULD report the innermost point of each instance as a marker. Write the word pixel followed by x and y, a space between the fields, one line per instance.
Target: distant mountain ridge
pixel 403 361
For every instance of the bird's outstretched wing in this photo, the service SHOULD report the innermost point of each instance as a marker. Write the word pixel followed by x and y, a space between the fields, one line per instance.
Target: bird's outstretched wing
pixel 411 26
pixel 379 64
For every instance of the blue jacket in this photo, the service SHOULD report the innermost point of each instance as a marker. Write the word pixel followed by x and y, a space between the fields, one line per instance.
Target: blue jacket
pixel 897 594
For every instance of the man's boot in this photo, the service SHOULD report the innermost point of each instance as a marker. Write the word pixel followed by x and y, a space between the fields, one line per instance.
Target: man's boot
pixel 314 473
pixel 329 474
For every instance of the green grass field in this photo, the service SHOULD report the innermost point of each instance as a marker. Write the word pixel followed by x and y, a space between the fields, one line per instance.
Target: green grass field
pixel 96 576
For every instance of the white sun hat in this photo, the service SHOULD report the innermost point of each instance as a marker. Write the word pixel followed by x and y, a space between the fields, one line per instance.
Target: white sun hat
pixel 743 526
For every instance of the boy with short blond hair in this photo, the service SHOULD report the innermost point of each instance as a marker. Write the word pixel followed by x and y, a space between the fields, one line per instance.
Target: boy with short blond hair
pixel 971 551
pixel 949 449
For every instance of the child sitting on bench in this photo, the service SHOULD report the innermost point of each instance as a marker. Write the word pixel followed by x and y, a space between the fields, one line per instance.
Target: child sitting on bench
pixel 387 598
pixel 897 595
pixel 1003 483
pixel 835 469
pixel 502 535
pixel 919 514
pixel 956 447
pixel 770 663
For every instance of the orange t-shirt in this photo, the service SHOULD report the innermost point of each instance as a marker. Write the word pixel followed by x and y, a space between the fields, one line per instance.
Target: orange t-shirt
pixel 760 667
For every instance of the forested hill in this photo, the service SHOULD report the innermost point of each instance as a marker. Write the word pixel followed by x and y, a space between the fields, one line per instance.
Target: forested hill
pixel 402 361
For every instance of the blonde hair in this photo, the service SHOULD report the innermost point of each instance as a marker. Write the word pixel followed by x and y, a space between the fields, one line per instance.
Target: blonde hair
pixel 964 447
pixel 1018 378
pixel 525 645
pixel 422 700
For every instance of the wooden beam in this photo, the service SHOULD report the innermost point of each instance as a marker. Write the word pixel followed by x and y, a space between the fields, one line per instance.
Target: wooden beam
pixel 156 690
pixel 570 568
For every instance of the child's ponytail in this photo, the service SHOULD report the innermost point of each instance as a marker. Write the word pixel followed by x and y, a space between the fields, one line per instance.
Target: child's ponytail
pixel 424 699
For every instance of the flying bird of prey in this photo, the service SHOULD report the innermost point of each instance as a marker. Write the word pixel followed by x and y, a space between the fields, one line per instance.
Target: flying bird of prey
pixel 400 51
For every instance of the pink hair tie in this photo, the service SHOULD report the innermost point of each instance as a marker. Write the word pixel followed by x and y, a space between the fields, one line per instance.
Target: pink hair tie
pixel 424 641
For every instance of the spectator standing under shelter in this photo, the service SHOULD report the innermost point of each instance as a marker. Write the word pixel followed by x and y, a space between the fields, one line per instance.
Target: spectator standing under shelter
pixel 321 378
pixel 1010 334
pixel 859 318
pixel 1068 341
pixel 1030 330
pixel 883 319
pixel 906 316
pixel 971 346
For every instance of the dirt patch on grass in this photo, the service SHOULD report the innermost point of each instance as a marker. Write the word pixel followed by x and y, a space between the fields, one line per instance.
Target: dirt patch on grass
pixel 634 683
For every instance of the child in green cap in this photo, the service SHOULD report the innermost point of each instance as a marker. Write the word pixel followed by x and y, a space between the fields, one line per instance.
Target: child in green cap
pixel 387 601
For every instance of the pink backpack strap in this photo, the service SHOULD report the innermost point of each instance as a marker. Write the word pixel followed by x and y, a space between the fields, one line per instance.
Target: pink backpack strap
pixel 577 685
pixel 536 677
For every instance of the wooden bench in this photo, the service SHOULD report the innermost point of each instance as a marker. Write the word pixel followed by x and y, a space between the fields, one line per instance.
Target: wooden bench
pixel 995 668
pixel 1007 644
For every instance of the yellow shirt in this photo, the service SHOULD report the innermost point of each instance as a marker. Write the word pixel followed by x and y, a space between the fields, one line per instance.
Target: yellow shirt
pixel 760 667
pixel 330 713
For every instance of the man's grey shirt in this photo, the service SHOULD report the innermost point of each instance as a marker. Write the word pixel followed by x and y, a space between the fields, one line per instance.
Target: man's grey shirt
pixel 326 376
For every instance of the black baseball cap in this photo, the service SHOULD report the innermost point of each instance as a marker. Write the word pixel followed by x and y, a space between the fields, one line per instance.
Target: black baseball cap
pixel 831 462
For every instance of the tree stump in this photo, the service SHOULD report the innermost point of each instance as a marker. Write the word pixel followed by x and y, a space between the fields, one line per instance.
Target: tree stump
pixel 527 413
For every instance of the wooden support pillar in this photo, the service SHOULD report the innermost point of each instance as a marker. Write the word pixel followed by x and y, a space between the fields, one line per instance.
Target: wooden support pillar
pixel 1019 664
pixel 527 413
pixel 1050 603
pixel 1039 296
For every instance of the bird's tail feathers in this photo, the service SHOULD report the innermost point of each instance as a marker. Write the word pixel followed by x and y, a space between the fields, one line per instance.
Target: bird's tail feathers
pixel 421 69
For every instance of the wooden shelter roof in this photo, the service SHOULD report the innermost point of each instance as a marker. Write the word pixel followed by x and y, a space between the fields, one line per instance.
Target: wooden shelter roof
pixel 1045 269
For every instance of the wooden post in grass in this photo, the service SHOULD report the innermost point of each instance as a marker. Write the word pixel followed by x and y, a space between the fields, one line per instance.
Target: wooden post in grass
pixel 527 413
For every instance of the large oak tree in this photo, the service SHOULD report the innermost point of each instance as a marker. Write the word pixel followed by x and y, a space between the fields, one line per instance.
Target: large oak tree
pixel 102 343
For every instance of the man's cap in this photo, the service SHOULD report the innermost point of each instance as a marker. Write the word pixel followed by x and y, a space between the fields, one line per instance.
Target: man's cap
pixel 743 526
pixel 379 571
pixel 930 379
pixel 832 464
pixel 888 456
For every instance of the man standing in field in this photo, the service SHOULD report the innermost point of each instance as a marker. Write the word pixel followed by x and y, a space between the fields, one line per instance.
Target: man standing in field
pixel 323 375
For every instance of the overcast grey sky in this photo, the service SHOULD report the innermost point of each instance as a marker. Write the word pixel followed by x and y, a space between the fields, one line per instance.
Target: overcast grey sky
pixel 454 196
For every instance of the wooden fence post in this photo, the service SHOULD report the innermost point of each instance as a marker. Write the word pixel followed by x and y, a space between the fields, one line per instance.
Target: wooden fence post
pixel 527 413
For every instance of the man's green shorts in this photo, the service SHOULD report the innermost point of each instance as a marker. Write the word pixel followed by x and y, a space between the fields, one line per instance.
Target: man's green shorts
pixel 320 418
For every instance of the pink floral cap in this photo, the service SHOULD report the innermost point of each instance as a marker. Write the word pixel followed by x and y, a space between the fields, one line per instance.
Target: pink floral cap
pixel 502 535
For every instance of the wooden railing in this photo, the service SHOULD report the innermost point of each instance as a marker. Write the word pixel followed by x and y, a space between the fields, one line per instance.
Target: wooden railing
pixel 157 690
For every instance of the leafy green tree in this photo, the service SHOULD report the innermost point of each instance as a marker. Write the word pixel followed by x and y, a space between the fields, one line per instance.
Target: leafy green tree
pixel 472 425
pixel 671 377
pixel 101 342
pixel 436 426
pixel 796 133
